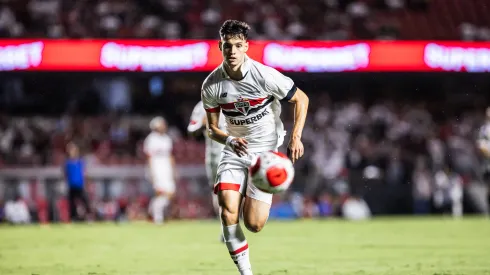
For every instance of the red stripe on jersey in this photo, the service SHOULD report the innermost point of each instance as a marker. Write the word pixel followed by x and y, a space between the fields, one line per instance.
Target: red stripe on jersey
pixel 213 110
pixel 241 249
pixel 226 186
pixel 253 102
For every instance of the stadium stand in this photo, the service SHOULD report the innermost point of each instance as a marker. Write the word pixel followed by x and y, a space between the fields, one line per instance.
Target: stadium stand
pixel 275 19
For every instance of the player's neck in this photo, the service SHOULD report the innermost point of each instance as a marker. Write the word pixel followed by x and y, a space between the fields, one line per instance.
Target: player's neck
pixel 235 72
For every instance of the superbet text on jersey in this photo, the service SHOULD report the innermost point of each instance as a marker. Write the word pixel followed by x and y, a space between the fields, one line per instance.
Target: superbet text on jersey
pixel 250 105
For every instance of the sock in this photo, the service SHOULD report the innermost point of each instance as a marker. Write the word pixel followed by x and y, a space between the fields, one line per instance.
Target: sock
pixel 238 247
pixel 158 208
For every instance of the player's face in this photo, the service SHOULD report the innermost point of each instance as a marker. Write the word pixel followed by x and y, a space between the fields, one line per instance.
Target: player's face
pixel 161 128
pixel 72 150
pixel 233 49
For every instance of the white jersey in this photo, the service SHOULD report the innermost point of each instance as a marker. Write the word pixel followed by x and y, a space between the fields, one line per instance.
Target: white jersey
pixel 251 106
pixel 213 148
pixel 159 148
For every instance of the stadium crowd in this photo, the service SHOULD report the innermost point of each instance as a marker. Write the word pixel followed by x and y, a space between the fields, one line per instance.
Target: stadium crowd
pixel 275 19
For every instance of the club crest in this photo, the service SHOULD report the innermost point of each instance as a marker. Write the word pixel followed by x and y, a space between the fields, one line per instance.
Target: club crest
pixel 242 105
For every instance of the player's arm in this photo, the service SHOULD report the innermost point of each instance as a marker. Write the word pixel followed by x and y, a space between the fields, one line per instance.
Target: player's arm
pixel 213 130
pixel 174 168
pixel 284 89
pixel 147 152
pixel 195 127
pixel 239 145
pixel 210 103
pixel 300 101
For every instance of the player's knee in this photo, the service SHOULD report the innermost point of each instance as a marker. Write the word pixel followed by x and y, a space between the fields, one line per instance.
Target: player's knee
pixel 254 226
pixel 229 216
pixel 229 202
pixel 255 214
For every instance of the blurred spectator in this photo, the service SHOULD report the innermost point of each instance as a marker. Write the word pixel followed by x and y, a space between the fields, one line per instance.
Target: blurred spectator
pixel 448 191
pixel 16 211
pixel 422 187
pixel 74 171
pixel 355 208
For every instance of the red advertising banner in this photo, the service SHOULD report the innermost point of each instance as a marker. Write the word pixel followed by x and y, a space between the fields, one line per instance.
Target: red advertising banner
pixel 198 55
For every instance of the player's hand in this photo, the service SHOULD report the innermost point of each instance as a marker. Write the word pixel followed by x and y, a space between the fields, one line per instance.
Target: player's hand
pixel 239 146
pixel 295 149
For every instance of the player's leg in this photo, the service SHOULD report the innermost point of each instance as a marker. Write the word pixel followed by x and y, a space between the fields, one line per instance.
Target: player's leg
pixel 157 207
pixel 86 205
pixel 72 204
pixel 211 171
pixel 164 192
pixel 256 208
pixel 229 189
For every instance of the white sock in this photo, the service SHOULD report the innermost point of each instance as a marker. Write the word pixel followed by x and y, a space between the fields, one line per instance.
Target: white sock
pixel 457 208
pixel 158 208
pixel 238 247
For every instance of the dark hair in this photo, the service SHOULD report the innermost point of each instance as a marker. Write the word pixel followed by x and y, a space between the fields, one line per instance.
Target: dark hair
pixel 234 28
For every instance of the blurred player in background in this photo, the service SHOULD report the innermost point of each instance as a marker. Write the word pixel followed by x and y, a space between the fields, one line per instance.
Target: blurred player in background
pixel 483 145
pixel 248 94
pixel 197 125
pixel 479 192
pixel 161 167
pixel 74 173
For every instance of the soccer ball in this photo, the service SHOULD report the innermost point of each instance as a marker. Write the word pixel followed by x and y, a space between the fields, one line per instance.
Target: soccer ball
pixel 272 172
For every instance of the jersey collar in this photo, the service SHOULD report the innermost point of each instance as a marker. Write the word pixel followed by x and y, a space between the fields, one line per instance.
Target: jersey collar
pixel 247 63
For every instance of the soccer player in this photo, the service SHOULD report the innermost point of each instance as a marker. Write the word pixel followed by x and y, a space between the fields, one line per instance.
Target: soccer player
pixel 158 149
pixel 213 148
pixel 249 94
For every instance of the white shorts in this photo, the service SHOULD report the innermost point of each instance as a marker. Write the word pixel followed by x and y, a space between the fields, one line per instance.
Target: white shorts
pixel 163 184
pixel 233 174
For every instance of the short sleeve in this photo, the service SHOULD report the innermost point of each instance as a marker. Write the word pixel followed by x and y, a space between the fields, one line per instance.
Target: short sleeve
pixel 197 117
pixel 209 100
pixel 279 85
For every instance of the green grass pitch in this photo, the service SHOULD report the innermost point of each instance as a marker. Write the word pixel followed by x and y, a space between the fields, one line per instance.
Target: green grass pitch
pixel 383 246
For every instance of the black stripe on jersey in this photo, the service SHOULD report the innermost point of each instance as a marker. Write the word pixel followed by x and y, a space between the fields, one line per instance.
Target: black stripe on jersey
pixel 290 93
pixel 252 111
